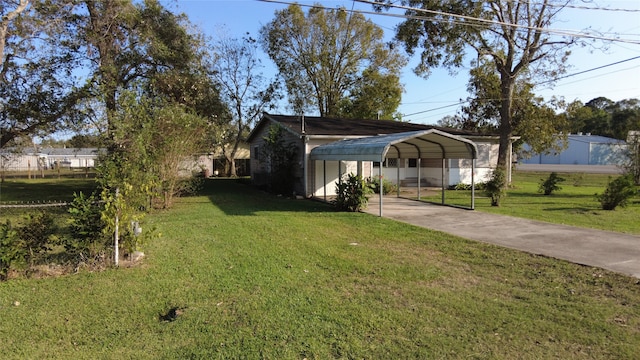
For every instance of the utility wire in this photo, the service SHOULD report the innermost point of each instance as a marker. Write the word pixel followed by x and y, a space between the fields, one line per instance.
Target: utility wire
pixel 494 22
pixel 589 70
pixel 540 83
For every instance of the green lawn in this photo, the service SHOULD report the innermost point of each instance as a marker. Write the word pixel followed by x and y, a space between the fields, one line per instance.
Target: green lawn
pixel 575 204
pixel 256 276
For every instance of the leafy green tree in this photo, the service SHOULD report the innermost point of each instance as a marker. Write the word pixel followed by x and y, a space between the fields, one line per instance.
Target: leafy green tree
pixel 509 34
pixel 534 120
pixel 236 69
pixel 84 141
pixel 375 96
pixel 577 116
pixel 37 92
pixel 322 55
pixel 602 116
pixel 177 135
pixel 127 42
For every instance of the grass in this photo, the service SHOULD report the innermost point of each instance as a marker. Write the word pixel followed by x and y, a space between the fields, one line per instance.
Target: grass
pixel 43 190
pixel 575 204
pixel 252 276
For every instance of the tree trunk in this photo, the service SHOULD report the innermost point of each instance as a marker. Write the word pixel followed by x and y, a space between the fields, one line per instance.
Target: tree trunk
pixel 507 83
pixel 232 168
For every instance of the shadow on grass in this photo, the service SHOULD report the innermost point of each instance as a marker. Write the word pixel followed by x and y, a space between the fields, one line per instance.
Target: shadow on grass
pixel 236 197
pixel 44 189
pixel 557 196
pixel 579 210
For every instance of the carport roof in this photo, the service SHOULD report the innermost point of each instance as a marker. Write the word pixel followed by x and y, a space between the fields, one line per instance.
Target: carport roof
pixel 406 145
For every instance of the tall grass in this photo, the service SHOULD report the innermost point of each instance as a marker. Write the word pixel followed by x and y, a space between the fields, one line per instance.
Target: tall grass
pixel 250 276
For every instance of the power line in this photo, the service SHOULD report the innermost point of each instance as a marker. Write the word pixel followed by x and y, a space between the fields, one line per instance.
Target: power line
pixel 561 32
pixel 579 7
pixel 479 21
pixel 540 83
pixel 589 70
pixel 438 108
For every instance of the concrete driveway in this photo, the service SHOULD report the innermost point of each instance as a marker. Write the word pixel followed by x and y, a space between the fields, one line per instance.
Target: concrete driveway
pixel 605 249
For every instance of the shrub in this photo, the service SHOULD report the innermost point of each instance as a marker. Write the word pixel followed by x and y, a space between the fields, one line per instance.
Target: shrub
pixel 617 193
pixel 37 236
pixel 352 194
pixel 387 186
pixel 86 228
pixel 467 187
pixel 550 184
pixel 10 249
pixel 495 187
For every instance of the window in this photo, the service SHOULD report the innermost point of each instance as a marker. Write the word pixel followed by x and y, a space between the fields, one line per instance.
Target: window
pixel 413 163
pixel 393 162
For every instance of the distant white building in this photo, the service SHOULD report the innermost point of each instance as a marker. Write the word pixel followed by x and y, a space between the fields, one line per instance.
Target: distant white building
pixel 48 158
pixel 583 149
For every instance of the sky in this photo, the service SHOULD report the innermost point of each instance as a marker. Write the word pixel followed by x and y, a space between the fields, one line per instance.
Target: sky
pixel 428 100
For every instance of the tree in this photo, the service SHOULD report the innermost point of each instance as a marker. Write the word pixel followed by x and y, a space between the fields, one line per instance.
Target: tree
pixel 322 56
pixel 236 70
pixel 632 165
pixel 604 117
pixel 374 96
pixel 509 34
pixel 534 120
pixel 37 91
pixel 127 42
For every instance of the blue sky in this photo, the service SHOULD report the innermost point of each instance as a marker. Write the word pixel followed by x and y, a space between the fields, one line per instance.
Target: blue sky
pixel 431 99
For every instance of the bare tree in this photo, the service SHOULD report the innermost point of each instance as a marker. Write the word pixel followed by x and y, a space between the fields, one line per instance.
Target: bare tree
pixel 236 68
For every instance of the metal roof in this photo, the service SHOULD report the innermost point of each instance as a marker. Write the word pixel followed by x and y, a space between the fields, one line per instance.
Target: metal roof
pixel 406 145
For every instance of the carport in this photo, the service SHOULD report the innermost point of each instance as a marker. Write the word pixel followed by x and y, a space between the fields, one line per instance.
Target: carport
pixel 406 145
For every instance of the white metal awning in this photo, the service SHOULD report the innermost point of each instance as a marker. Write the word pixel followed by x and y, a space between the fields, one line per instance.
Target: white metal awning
pixel 422 144
pixel 407 145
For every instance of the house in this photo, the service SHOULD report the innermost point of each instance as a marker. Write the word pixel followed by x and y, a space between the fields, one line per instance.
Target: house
pixel 317 172
pixel 583 149
pixel 48 158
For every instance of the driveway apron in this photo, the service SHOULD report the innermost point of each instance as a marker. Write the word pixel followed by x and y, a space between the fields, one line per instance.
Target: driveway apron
pixel 605 249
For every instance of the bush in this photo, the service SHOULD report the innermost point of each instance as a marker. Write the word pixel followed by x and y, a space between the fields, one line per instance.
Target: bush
pixel 387 186
pixel 37 236
pixel 618 192
pixel 10 249
pixel 86 228
pixel 352 194
pixel 467 187
pixel 550 184
pixel 495 188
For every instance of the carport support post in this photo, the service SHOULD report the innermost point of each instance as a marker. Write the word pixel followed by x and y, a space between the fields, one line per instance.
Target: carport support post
pixel 418 178
pixel 473 184
pixel 443 164
pixel 380 177
pixel 398 175
pixel 324 175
